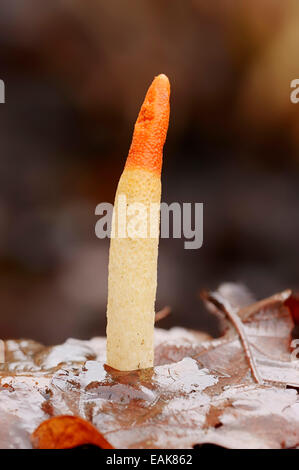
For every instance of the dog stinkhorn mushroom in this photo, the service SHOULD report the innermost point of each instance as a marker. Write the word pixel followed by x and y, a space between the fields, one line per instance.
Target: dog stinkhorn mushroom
pixel 132 280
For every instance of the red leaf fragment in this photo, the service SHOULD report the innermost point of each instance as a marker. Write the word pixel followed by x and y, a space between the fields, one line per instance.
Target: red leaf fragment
pixel 293 304
pixel 67 432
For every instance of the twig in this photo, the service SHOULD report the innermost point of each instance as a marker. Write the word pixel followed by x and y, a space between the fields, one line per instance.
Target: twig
pixel 236 321
pixel 162 313
pixel 247 348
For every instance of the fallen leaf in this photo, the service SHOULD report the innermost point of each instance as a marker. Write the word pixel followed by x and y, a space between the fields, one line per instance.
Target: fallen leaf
pixel 67 432
pixel 236 391
pixel 259 333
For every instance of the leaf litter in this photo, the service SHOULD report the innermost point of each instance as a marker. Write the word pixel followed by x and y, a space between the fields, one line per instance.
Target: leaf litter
pixel 236 391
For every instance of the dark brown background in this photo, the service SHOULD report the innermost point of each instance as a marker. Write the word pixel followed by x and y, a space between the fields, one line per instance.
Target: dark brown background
pixel 76 73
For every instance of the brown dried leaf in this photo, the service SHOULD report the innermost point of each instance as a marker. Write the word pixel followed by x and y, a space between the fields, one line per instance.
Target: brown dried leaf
pixel 201 390
pixel 67 432
pixel 262 331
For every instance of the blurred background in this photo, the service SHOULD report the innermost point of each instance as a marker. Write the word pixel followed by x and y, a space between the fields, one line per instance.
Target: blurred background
pixel 76 73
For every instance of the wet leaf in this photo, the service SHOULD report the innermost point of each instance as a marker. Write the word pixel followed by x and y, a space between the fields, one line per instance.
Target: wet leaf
pixel 239 390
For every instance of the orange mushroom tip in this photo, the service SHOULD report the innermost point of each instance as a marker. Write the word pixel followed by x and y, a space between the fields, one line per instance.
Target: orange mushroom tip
pixel 150 130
